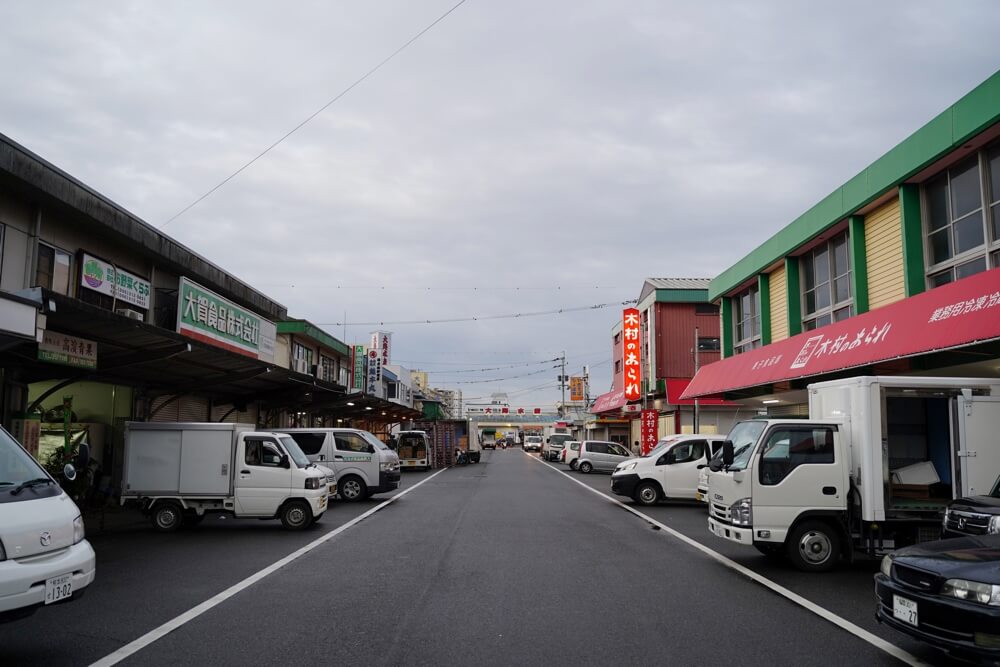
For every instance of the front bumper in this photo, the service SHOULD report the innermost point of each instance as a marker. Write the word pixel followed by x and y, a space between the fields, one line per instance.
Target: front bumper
pixel 701 494
pixel 319 502
pixel 731 533
pixel 624 485
pixel 387 481
pixel 22 584
pixel 958 627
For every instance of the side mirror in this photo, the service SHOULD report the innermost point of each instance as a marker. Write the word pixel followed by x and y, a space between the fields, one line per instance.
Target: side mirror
pixel 82 459
pixel 284 461
pixel 371 449
pixel 702 466
pixel 69 472
pixel 727 452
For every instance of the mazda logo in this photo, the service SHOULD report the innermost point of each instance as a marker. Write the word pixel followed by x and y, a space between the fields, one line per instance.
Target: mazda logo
pixel 45 539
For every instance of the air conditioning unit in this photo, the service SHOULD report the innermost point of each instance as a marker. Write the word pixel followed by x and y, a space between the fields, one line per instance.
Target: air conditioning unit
pixel 131 314
pixel 300 366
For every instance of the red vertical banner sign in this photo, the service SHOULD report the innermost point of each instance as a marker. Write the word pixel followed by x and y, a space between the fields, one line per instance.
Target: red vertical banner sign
pixel 649 430
pixel 630 354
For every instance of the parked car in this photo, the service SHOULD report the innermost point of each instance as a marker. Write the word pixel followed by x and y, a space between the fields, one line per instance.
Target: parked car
pixel 571 454
pixel 945 593
pixel 600 455
pixel 362 463
pixel 554 445
pixel 44 557
pixel 669 471
pixel 532 443
pixel 973 515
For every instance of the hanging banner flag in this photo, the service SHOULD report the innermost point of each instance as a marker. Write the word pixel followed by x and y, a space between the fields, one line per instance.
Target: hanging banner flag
pixel 358 376
pixel 649 426
pixel 631 354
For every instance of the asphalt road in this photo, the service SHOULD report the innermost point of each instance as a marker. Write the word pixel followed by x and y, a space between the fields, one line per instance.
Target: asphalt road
pixel 503 562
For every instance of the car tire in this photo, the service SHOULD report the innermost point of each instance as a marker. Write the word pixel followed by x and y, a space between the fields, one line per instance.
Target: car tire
pixel 167 517
pixel 296 515
pixel 352 489
pixel 814 546
pixel 647 493
pixel 586 467
pixel 572 464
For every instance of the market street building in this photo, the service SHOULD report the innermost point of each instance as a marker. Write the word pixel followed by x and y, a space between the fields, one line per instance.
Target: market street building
pixel 896 272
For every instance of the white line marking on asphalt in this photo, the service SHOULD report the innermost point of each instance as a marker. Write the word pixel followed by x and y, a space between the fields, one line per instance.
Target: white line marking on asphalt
pixel 822 612
pixel 176 622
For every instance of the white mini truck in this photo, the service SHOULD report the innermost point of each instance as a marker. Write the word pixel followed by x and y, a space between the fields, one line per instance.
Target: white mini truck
pixel 44 557
pixel 179 472
pixel 871 470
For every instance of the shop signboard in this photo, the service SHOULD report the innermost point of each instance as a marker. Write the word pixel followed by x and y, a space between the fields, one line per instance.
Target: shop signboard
pixel 649 426
pixel 59 348
pixel 358 377
pixel 381 341
pixel 204 315
pixel 374 372
pixel 576 388
pixel 105 278
pixel 631 354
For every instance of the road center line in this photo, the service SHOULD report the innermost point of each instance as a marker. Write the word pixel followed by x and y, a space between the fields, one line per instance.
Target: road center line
pixel 176 622
pixel 822 612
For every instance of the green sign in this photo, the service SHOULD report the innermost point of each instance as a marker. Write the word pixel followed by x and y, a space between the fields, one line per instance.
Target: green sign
pixel 204 315
pixel 359 368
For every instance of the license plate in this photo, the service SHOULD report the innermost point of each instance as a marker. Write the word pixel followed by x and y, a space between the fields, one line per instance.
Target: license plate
pixel 905 610
pixel 58 588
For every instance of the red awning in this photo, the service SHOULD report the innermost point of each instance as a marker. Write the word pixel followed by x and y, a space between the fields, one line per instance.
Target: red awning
pixel 960 313
pixel 613 400
pixel 676 388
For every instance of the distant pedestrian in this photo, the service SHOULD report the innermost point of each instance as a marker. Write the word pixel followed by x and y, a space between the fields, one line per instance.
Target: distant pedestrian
pixel 636 449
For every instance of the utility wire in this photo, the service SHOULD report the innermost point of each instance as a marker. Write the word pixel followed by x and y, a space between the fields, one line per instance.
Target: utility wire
pixel 480 370
pixel 512 377
pixel 314 114
pixel 479 318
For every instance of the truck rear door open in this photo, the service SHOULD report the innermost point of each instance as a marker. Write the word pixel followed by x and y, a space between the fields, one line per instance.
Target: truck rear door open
pixel 978 455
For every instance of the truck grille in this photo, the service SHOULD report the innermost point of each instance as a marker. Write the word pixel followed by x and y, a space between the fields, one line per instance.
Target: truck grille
pixel 721 513
pixel 970 523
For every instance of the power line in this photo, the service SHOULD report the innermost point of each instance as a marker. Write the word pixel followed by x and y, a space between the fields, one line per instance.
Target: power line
pixel 512 377
pixel 314 114
pixel 474 318
pixel 480 370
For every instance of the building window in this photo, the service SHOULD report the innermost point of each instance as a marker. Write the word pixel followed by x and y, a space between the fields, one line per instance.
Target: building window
pixel 746 320
pixel 327 368
pixel 708 344
pixel 826 284
pixel 963 219
pixel 618 338
pixel 53 269
pixel 618 366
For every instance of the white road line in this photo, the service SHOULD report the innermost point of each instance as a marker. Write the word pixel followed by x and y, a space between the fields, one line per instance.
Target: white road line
pixel 823 613
pixel 176 622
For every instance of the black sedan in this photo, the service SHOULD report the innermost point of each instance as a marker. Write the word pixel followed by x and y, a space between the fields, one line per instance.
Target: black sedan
pixel 945 593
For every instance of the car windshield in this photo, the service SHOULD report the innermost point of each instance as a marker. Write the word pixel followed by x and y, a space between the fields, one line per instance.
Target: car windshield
pixel 995 493
pixel 533 438
pixel 294 452
pixel 373 441
pixel 16 465
pixel 661 447
pixel 743 436
pixel 560 438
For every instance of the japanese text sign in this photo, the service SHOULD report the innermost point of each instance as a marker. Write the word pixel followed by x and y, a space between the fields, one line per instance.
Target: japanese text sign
pixel 358 376
pixel 206 316
pixel 631 353
pixel 57 348
pixel 105 278
pixel 576 389
pixel 650 423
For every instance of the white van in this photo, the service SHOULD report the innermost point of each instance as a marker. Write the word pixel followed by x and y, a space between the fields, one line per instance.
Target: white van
pixel 44 557
pixel 363 464
pixel 413 450
pixel 670 470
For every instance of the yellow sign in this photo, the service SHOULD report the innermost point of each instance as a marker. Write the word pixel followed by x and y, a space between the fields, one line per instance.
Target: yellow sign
pixel 576 389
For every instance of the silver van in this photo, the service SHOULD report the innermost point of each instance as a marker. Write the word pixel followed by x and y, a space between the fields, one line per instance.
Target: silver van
pixel 601 455
pixel 362 463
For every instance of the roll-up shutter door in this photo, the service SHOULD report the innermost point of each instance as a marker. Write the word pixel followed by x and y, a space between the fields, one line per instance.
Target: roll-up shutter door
pixel 167 413
pixel 249 416
pixel 192 409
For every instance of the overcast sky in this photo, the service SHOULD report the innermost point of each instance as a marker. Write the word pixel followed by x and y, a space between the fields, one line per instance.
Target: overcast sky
pixel 521 156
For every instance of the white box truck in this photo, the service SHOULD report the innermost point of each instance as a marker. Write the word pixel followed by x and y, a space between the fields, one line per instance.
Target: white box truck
pixel 870 470
pixel 179 472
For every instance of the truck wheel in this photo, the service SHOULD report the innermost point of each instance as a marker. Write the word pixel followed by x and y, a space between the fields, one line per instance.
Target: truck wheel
pixel 167 517
pixel 352 489
pixel 586 467
pixel 296 515
pixel 814 546
pixel 647 494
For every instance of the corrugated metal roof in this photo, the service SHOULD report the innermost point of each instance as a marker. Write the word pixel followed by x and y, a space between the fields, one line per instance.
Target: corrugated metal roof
pixel 679 283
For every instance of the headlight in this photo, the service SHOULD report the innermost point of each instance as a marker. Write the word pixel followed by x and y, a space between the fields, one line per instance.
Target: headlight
pixel 944 519
pixel 388 467
pixel 626 466
pixel 887 565
pixel 994 526
pixel 742 512
pixel 972 591
pixel 314 482
pixel 78 532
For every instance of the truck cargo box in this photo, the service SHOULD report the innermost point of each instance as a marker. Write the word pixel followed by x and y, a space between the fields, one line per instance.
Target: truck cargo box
pixel 179 458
